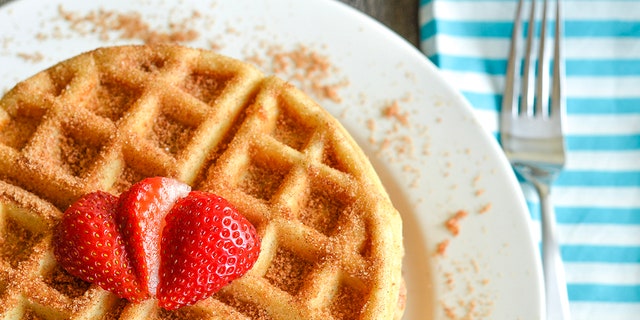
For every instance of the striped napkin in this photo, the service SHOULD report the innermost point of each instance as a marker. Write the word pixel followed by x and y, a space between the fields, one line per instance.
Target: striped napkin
pixel 597 197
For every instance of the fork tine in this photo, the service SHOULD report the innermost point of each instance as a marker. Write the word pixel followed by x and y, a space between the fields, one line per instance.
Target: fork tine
pixel 558 66
pixel 542 84
pixel 512 79
pixel 526 104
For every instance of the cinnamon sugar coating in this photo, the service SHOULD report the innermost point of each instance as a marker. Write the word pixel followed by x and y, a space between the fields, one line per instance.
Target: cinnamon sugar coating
pixel 331 239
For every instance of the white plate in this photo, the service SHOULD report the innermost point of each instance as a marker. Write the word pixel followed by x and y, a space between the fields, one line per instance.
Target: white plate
pixel 439 162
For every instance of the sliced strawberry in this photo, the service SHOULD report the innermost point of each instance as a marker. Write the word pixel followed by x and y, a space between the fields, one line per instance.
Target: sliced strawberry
pixel 140 217
pixel 157 240
pixel 88 245
pixel 205 245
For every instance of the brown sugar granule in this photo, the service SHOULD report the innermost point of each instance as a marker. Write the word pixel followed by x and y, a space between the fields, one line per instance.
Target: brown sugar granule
pixel 453 224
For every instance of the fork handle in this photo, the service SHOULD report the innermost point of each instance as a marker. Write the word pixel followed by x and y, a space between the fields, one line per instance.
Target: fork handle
pixel 555 284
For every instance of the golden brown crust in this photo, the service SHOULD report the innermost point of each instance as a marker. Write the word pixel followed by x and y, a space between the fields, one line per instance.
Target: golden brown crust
pixel 332 240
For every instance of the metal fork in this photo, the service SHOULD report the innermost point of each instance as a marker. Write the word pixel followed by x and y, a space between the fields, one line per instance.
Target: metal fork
pixel 531 133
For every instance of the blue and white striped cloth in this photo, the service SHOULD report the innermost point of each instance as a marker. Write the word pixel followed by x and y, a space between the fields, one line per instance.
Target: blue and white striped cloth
pixel 598 195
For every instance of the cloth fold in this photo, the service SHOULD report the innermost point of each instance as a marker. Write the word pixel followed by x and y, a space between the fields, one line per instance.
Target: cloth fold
pixel 597 197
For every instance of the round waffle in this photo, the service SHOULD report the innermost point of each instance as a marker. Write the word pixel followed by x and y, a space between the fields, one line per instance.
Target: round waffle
pixel 331 239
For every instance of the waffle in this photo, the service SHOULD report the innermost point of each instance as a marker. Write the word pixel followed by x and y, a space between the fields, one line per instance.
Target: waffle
pixel 331 239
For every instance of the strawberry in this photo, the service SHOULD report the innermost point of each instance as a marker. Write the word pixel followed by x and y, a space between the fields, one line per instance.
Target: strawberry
pixel 140 217
pixel 88 245
pixel 158 239
pixel 205 245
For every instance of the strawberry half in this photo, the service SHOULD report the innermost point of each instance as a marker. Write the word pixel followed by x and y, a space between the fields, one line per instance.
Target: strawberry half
pixel 205 245
pixel 140 217
pixel 88 245
pixel 158 239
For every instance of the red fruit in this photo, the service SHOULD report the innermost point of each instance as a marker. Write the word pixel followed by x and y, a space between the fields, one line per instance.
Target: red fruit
pixel 88 245
pixel 140 217
pixel 205 245
pixel 157 240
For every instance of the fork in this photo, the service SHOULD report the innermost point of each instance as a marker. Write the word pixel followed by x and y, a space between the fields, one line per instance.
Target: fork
pixel 532 137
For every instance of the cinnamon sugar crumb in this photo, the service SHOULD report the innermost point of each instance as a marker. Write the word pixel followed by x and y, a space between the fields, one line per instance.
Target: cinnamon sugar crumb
pixel 129 26
pixel 453 224
pixel 471 310
pixel 485 208
pixel 371 125
pixel 393 111
pixel 309 70
pixel 441 249
pixel 475 180
pixel 449 311
pixel 470 288
pixel 31 57
pixel 449 279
